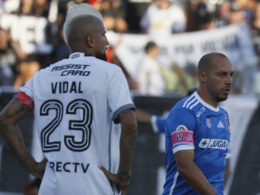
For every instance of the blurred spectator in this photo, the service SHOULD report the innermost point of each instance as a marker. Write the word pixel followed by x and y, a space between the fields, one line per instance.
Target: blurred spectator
pixel 60 49
pixel 43 39
pixel 26 70
pixel 256 28
pixel 38 8
pixel 239 12
pixel 113 16
pixel 207 22
pixel 9 6
pixel 199 17
pixel 42 8
pixel 27 7
pixel 33 187
pixel 149 78
pixel 203 19
pixel 247 7
pixel 111 57
pixel 200 13
pixel 10 54
pixel 177 79
pixel 163 18
pixel 224 13
pixel 256 39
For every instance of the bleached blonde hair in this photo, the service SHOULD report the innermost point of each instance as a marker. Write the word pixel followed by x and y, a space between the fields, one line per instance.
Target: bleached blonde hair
pixel 79 10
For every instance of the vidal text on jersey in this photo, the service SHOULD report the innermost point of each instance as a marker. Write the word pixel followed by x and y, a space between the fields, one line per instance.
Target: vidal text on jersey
pixel 66 87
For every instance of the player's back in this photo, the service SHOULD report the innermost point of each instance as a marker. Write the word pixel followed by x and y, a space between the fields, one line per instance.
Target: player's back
pixel 73 110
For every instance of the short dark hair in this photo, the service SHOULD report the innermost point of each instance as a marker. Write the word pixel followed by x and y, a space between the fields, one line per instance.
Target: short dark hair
pixel 205 62
pixel 149 45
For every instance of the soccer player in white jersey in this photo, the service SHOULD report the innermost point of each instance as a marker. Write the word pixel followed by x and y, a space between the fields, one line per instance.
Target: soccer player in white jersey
pixel 76 103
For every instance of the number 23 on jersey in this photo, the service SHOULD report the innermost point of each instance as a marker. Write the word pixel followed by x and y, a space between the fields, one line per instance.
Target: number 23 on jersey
pixel 83 124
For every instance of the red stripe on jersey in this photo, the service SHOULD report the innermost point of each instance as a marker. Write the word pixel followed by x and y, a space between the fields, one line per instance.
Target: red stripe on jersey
pixel 25 99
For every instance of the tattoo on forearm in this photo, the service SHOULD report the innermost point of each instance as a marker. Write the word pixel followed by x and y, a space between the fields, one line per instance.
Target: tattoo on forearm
pixel 10 115
pixel 127 145
pixel 14 111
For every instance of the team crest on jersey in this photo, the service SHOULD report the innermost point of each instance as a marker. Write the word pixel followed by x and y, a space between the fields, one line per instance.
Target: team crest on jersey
pixel 181 128
pixel 208 123
pixel 179 137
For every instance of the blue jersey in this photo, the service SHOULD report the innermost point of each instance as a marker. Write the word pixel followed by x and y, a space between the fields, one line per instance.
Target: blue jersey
pixel 195 125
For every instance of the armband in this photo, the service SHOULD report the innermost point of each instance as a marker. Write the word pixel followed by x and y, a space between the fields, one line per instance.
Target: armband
pixel 26 100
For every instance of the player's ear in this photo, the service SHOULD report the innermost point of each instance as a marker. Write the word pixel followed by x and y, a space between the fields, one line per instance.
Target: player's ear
pixel 89 40
pixel 202 76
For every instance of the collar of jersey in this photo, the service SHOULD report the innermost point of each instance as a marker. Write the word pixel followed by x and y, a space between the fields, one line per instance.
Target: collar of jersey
pixel 76 55
pixel 205 103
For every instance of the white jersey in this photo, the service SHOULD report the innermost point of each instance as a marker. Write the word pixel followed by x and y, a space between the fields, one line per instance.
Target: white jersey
pixel 149 77
pixel 162 22
pixel 76 101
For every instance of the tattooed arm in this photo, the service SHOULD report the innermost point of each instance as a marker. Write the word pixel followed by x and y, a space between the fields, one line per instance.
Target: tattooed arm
pixel 9 117
pixel 127 144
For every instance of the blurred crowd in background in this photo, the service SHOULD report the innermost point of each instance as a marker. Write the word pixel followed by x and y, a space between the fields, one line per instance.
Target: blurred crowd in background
pixel 18 61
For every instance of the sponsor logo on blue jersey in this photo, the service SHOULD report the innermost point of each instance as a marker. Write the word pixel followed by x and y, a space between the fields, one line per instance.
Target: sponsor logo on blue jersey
pixel 221 144
pixel 220 125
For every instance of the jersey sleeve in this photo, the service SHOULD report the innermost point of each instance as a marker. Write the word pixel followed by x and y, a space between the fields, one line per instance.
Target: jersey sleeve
pixel 26 94
pixel 228 126
pixel 158 124
pixel 119 98
pixel 180 126
pixel 28 88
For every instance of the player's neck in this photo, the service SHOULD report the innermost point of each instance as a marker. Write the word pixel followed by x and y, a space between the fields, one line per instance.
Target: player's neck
pixel 206 96
pixel 82 49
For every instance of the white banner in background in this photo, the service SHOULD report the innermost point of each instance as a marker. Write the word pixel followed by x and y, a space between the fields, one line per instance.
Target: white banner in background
pixel 29 31
pixel 187 48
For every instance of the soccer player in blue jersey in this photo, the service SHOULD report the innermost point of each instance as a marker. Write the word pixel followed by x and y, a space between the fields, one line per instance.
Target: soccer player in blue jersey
pixel 198 134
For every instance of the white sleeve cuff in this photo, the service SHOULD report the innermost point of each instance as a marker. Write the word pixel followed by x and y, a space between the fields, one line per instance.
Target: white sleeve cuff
pixel 182 147
pixel 154 125
pixel 228 155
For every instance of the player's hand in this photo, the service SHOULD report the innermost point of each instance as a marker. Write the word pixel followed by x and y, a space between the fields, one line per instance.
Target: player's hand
pixel 121 181
pixel 39 168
